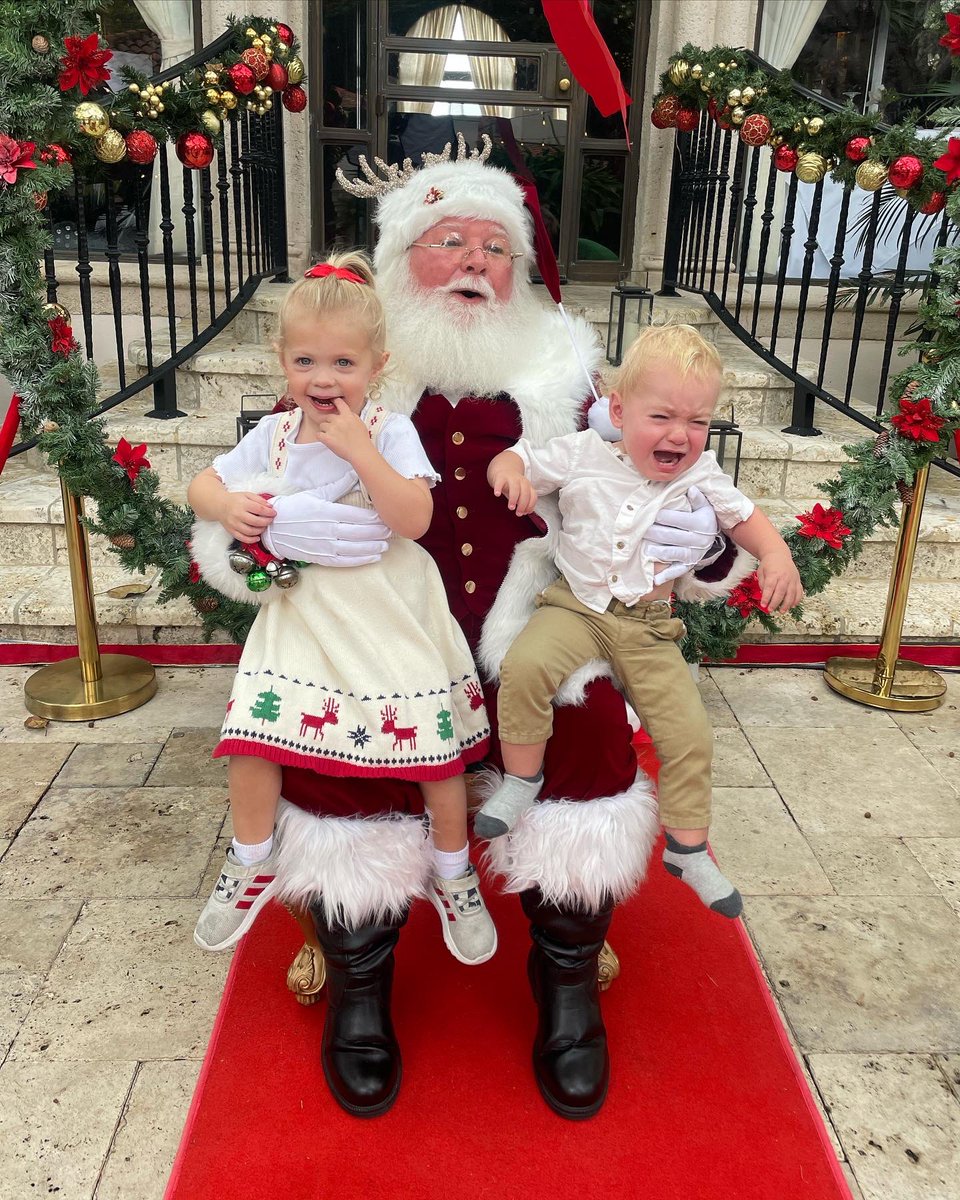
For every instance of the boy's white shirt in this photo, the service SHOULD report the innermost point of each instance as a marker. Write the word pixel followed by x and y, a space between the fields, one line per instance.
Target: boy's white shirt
pixel 607 506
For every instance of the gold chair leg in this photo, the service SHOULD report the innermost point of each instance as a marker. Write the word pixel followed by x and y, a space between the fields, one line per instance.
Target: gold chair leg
pixel 307 973
pixel 608 966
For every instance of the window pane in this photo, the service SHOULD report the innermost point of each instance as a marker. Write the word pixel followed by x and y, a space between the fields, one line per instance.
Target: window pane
pixel 344 64
pixel 427 18
pixel 617 22
pixel 484 71
pixel 601 207
pixel 346 220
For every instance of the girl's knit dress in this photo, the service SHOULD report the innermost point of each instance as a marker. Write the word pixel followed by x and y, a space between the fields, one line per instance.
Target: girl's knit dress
pixel 358 670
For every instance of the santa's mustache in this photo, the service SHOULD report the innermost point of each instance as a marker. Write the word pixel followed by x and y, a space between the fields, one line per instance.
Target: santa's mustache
pixel 471 283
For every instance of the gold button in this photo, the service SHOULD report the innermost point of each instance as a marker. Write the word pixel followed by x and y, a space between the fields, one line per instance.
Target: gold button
pixel 457 439
pixel 620 545
pixel 466 549
pixel 470 587
pixel 460 473
pixel 462 511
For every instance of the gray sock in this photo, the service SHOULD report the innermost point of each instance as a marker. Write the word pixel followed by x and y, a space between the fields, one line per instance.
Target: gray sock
pixel 697 869
pixel 504 808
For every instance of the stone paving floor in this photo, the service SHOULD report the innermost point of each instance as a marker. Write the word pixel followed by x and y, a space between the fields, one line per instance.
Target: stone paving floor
pixel 840 823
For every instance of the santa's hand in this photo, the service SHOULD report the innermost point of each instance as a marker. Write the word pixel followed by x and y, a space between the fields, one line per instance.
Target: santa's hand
pixel 682 540
pixel 309 529
pixel 598 419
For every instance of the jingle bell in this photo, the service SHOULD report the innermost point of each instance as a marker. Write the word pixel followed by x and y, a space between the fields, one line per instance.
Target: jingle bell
pixel 287 577
pixel 258 581
pixel 241 561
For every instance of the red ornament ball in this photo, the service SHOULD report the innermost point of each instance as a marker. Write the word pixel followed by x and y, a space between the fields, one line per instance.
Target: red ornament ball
pixel 257 61
pixel 687 120
pixel 935 204
pixel 285 33
pixel 141 146
pixel 756 130
pixel 785 158
pixel 242 78
pixel 905 171
pixel 664 114
pixel 40 201
pixel 276 77
pixel 720 115
pixel 856 149
pixel 294 99
pixel 195 150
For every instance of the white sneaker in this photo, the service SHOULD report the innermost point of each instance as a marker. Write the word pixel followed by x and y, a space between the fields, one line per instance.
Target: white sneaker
pixel 470 934
pixel 235 902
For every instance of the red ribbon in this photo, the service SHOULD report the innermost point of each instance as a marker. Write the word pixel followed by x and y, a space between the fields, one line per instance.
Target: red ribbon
pixel 9 430
pixel 321 270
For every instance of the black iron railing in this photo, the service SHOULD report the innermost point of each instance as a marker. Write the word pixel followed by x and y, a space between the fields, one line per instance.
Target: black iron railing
pixel 754 241
pixel 232 230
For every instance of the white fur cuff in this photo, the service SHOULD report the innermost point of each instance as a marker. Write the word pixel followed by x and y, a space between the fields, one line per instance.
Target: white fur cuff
pixel 580 853
pixel 360 869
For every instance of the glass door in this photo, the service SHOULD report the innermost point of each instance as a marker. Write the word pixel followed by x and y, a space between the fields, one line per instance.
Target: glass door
pixel 401 77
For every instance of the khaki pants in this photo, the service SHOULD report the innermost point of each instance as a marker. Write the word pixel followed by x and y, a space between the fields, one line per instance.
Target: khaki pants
pixel 640 643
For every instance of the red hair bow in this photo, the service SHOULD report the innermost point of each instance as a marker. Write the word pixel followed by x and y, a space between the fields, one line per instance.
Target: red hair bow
pixel 321 270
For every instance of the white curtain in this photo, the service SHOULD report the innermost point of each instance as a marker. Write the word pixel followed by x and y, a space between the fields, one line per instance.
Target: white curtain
pixel 489 74
pixel 172 22
pixel 425 70
pixel 786 25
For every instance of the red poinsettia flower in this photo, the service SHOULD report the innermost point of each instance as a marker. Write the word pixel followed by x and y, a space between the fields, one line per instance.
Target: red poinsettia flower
pixel 824 523
pixel 61 336
pixel 133 459
pixel 14 157
pixel 949 163
pixel 916 419
pixel 83 64
pixel 952 39
pixel 745 597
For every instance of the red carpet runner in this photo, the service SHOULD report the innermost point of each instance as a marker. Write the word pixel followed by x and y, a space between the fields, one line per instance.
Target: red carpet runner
pixel 707 1101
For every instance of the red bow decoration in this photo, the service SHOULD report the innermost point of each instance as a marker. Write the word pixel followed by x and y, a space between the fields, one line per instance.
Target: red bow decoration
pixel 952 39
pixel 82 65
pixel 746 596
pixel 916 419
pixel 949 163
pixel 824 523
pixel 133 459
pixel 322 270
pixel 62 340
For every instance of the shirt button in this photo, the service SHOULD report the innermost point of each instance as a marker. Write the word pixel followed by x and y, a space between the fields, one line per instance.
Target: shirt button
pixel 614 578
pixel 461 511
pixel 457 439
pixel 466 549
pixel 460 473
pixel 629 508
pixel 620 545
pixel 470 587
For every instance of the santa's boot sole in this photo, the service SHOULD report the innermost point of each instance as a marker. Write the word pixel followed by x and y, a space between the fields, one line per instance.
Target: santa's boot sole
pixel 356 1110
pixel 565 1110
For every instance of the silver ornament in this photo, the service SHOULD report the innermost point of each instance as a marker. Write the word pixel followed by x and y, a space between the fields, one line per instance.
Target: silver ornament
pixel 241 561
pixel 288 576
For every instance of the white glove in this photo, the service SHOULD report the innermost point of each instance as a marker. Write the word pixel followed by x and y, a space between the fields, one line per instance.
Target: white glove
pixel 309 529
pixel 683 539
pixel 598 419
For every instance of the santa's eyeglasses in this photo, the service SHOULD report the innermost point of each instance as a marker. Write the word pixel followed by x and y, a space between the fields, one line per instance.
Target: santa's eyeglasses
pixel 494 250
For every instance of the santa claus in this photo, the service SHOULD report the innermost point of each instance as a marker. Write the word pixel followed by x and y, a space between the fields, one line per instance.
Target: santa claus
pixel 477 361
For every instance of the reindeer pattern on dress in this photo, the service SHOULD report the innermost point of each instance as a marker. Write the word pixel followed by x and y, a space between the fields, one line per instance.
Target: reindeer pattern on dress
pixel 401 734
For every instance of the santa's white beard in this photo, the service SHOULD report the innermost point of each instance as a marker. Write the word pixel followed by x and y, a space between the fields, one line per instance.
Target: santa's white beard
pixel 460 349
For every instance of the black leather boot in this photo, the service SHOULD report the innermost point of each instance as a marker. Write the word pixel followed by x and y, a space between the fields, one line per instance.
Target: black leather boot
pixel 360 1055
pixel 570 1059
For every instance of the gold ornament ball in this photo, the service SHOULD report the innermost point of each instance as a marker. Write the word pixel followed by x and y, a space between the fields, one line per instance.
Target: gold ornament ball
pixel 268 90
pixel 152 113
pixel 775 141
pixel 134 89
pixel 738 115
pixel 294 70
pixel 90 119
pixel 159 108
pixel 250 32
pixel 871 176
pixel 267 105
pixel 213 96
pixel 211 122
pixel 929 356
pixel 731 65
pixel 815 124
pixel 704 86
pixel 811 167
pixel 111 147
pixel 209 77
pixel 748 95
pixel 40 44
pixel 733 97
pixel 52 311
pixel 678 72
pixel 696 71
pixel 283 49
pixel 228 100
pixel 257 43
pixel 722 66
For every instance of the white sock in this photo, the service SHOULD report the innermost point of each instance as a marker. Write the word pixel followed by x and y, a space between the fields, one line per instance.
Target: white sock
pixel 247 856
pixel 451 864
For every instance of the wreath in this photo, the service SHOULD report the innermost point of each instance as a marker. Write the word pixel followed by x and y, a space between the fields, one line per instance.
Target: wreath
pixel 52 53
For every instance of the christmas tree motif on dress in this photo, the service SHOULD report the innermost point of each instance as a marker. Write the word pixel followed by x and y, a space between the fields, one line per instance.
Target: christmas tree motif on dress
pixel 444 725
pixel 267 706
pixel 400 734
pixel 474 694
pixel 316 721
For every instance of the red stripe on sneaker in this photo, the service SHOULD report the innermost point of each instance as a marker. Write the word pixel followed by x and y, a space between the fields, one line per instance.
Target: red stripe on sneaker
pixel 244 904
pixel 264 878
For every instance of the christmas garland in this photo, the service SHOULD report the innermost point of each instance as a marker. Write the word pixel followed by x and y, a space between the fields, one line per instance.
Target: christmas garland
pixel 52 60
pixel 923 412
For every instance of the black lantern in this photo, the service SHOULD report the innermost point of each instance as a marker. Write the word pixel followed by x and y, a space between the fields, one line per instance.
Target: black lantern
pixel 725 439
pixel 249 417
pixel 622 295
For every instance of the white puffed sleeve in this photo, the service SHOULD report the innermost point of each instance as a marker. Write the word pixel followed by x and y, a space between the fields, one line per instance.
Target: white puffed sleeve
pixel 400 445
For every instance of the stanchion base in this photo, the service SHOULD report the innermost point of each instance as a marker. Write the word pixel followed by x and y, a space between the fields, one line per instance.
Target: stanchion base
pixel 914 688
pixel 59 692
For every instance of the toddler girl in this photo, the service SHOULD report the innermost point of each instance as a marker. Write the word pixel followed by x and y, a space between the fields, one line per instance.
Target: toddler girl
pixel 356 670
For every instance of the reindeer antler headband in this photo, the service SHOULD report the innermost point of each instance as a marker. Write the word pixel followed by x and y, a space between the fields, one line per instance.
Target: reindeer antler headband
pixel 393 175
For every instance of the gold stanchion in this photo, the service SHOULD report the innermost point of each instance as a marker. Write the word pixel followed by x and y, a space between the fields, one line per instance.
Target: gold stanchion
pixel 889 681
pixel 94 685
